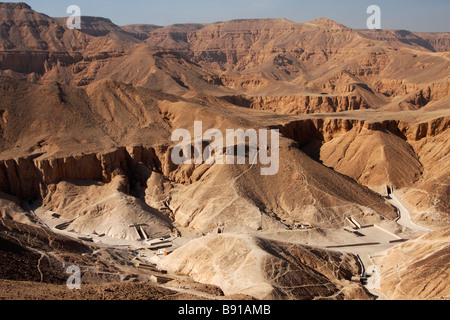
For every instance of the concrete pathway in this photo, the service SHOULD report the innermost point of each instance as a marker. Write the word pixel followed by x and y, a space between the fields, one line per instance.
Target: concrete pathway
pixel 405 217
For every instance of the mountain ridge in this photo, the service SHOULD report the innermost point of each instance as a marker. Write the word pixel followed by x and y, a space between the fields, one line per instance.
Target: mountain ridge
pixel 86 153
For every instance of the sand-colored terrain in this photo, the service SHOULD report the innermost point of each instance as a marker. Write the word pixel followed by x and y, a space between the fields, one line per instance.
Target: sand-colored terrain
pixel 86 175
pixel 264 269
pixel 417 269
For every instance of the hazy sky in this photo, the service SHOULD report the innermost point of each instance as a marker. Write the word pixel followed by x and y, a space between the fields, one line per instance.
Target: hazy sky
pixel 413 15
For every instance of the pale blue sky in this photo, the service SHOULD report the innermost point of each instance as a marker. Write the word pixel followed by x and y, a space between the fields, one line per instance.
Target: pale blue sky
pixel 414 15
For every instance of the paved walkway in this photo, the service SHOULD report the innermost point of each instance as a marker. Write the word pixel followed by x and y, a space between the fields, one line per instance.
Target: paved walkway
pixel 405 216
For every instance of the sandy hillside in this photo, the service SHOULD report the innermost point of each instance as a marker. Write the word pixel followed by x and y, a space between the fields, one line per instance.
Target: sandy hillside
pixel 266 269
pixel 417 269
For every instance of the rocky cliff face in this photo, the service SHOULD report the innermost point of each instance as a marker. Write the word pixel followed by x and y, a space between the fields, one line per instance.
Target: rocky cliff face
pixel 440 42
pixel 34 45
pixel 29 177
pixel 327 128
pixel 300 104
pixel 338 143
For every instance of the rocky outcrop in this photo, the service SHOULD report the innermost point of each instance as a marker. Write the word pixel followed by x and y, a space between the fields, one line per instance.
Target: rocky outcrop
pixel 374 153
pixel 415 97
pixel 25 253
pixel 266 269
pixel 416 94
pixel 34 254
pixel 20 178
pixel 325 129
pixel 300 104
pixel 242 44
pixel 440 42
pixel 29 177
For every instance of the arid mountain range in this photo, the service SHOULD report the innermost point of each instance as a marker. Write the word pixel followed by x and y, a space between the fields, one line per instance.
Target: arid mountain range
pixel 86 118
